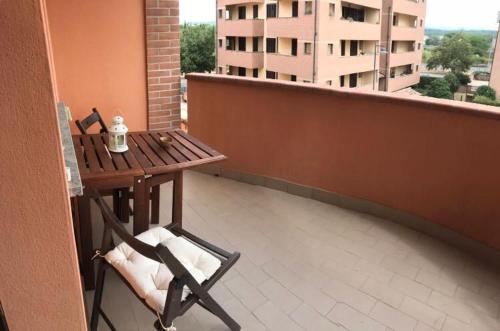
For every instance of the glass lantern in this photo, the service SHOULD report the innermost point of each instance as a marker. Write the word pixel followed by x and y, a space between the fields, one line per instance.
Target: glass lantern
pixel 117 136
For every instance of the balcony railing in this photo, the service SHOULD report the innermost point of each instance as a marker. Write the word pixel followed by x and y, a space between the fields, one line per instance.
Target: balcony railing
pixel 437 159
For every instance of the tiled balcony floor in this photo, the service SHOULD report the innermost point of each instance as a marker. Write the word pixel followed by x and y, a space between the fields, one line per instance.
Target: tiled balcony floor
pixel 306 265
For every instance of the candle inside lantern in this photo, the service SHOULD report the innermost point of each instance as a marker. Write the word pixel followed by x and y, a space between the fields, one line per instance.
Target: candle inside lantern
pixel 117 136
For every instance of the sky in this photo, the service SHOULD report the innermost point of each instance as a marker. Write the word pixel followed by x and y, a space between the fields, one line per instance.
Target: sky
pixel 445 14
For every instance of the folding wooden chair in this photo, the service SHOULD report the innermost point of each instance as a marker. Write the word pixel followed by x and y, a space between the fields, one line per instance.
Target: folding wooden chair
pixel 121 197
pixel 168 269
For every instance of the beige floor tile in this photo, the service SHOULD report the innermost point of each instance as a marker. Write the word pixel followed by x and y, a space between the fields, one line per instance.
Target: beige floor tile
pixel 310 320
pixel 248 294
pixel 281 274
pixel 478 302
pixel 424 327
pixel 342 292
pixel 279 296
pixel 423 313
pixel 374 271
pixel 437 282
pixel 452 324
pixel 393 318
pixel 451 306
pixel 353 320
pixel 313 297
pixel 399 266
pixel 274 319
pixel 411 288
pixel 383 292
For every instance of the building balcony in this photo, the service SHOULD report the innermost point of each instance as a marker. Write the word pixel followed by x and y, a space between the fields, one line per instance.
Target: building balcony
pixel 222 3
pixel 403 81
pixel 399 59
pixel 240 58
pixel 375 4
pixel 291 27
pixel 301 65
pixel 406 33
pixel 352 30
pixel 352 64
pixel 246 28
pixel 410 7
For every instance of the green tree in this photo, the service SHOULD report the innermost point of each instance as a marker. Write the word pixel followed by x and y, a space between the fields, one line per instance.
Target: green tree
pixel 197 48
pixel 487 92
pixel 454 53
pixel 453 81
pixel 433 41
pixel 485 101
pixel 439 88
pixel 463 78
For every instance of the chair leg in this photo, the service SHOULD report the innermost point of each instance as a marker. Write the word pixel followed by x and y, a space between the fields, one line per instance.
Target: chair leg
pixel 116 203
pixel 212 306
pixel 96 309
pixel 155 204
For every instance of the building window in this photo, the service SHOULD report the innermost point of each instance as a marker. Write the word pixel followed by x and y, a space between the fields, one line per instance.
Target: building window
pixel 394 47
pixel 230 43
pixel 220 70
pixel 255 44
pixel 295 9
pixel 329 82
pixel 342 48
pixel 421 23
pixel 417 67
pixel 242 72
pixel 354 48
pixel 229 14
pixel 395 20
pixel 330 49
pixel 308 8
pixel 307 48
pixel 354 14
pixel 306 81
pixel 242 13
pixel 256 11
pixel 419 46
pixel 342 81
pixel 353 80
pixel 331 10
pixel 270 45
pixel 393 72
pixel 220 43
pixel 256 73
pixel 293 78
pixel 242 44
pixel 271 10
pixel 270 74
pixel 221 13
pixel 294 47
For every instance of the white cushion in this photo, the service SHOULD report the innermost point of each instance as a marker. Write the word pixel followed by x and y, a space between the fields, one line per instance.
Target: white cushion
pixel 149 278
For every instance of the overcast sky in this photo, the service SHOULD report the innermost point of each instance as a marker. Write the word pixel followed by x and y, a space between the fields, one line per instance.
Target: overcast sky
pixel 450 14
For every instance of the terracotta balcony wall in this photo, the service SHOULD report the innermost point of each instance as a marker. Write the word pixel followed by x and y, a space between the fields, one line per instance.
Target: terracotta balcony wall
pixel 241 59
pixel 352 64
pixel 222 3
pixel 435 159
pixel 357 30
pixel 406 33
pixel 366 3
pixel 291 27
pixel 244 28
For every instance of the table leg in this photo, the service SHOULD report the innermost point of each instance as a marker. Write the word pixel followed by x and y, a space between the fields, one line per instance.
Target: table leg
pixel 177 200
pixel 86 244
pixel 141 204
pixel 124 205
pixel 155 205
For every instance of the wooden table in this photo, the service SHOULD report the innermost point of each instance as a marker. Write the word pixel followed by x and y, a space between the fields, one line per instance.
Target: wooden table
pixel 147 163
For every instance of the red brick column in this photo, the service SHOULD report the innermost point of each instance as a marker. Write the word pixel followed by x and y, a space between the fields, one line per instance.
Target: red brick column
pixel 163 64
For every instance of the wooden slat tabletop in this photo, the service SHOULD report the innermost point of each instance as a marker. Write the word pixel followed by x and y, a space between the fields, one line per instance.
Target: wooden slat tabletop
pixel 146 155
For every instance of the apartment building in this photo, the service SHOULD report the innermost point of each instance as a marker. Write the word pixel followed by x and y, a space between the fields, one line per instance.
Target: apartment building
pixel 495 67
pixel 331 42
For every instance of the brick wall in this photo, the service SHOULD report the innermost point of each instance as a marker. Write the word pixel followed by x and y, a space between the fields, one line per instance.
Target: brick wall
pixel 163 64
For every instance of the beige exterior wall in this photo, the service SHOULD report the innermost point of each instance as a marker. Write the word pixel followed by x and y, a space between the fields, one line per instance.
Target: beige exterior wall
pixel 495 69
pixel 325 65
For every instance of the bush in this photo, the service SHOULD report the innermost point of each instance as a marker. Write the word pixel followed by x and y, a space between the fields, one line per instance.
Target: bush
pixel 487 92
pixel 463 78
pixel 453 81
pixel 485 101
pixel 439 88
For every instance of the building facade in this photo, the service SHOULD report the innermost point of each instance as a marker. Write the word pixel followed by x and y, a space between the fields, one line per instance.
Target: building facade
pixel 495 67
pixel 365 44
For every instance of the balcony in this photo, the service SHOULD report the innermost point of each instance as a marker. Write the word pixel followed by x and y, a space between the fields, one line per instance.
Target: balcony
pixel 240 58
pixel 246 28
pixel 301 65
pixel 406 33
pixel 237 2
pixel 291 27
pixel 360 63
pixel 402 58
pixel 403 81
pixel 410 7
pixel 357 30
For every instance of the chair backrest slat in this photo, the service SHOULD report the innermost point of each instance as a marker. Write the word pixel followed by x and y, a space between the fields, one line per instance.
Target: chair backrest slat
pixel 90 120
